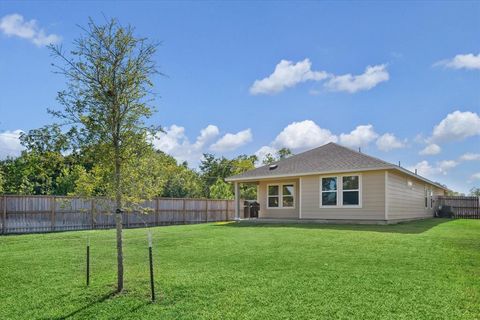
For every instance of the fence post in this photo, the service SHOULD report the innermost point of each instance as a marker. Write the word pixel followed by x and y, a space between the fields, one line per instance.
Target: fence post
pixel 478 208
pixel 157 207
pixel 4 215
pixel 226 210
pixel 92 214
pixel 52 213
pixel 184 212
pixel 206 210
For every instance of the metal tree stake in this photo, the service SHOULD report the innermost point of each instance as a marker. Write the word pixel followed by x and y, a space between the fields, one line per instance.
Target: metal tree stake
pixel 88 260
pixel 152 285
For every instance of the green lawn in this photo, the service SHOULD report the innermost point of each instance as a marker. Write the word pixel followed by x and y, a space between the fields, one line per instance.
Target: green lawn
pixel 420 270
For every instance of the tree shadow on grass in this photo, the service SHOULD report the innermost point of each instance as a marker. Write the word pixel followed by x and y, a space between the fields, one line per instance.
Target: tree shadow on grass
pixel 131 311
pixel 101 299
pixel 411 227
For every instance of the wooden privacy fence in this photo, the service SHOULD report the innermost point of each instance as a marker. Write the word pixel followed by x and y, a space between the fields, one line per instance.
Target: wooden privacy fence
pixel 462 207
pixel 28 214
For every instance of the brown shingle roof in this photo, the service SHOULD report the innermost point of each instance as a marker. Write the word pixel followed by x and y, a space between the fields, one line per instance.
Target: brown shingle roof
pixel 330 157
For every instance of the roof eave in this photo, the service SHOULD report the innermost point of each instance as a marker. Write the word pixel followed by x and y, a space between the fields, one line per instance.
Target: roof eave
pixel 410 173
pixel 252 179
pixel 280 176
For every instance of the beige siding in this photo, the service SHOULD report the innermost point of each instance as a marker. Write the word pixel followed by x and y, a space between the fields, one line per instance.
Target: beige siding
pixel 395 200
pixel 280 213
pixel 406 201
pixel 373 199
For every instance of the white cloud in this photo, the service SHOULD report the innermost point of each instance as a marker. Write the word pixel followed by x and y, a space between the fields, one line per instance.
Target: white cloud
pixel 446 165
pixel 470 156
pixel 263 151
pixel 306 134
pixel 431 149
pixel 359 137
pixel 231 141
pixel 15 25
pixel 388 142
pixel 206 135
pixel 353 83
pixel 456 126
pixel 175 142
pixel 476 176
pixel 424 168
pixel 287 74
pixel 461 61
pixel 10 144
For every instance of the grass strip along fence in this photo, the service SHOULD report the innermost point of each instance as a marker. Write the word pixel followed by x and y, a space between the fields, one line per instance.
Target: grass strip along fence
pixel 31 214
pixel 462 207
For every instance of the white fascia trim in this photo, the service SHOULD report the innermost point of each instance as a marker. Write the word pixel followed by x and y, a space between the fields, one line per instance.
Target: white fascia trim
pixel 301 174
pixel 253 179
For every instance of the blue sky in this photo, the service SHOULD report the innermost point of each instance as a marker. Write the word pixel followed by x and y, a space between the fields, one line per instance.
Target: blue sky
pixel 395 79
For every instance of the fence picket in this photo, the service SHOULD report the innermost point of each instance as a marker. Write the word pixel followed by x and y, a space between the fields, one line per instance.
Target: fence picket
pixel 29 214
pixel 462 207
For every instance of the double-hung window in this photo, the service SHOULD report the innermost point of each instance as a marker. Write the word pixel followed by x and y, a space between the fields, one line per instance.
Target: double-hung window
pixel 281 195
pixel 340 191
pixel 329 191
pixel 350 191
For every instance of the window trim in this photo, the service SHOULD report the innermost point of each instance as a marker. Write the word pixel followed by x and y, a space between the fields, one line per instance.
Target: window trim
pixel 322 192
pixel 340 191
pixel 425 196
pixel 429 197
pixel 432 200
pixel 280 195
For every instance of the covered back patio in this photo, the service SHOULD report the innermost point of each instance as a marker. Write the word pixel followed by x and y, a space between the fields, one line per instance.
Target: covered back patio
pixel 277 199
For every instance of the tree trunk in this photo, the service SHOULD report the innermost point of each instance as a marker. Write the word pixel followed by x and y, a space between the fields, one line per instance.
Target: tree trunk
pixel 118 220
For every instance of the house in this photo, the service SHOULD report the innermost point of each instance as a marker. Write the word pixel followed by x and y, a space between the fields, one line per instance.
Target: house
pixel 335 183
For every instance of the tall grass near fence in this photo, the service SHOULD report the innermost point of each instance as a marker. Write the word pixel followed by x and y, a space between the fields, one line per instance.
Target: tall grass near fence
pixel 28 214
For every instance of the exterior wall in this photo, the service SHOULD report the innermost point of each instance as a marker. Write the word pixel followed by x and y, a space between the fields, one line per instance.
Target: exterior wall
pixel 406 201
pixel 279 213
pixel 385 195
pixel 372 198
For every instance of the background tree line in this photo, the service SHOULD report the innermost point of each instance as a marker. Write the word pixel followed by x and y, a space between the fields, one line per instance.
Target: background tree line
pixel 48 166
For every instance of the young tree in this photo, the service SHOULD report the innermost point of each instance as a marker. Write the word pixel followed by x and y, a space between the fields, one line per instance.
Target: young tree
pixel 106 101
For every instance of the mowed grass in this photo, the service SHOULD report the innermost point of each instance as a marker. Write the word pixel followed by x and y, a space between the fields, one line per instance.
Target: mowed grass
pixel 419 270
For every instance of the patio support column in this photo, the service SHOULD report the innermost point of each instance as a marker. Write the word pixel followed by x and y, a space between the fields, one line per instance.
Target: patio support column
pixel 237 200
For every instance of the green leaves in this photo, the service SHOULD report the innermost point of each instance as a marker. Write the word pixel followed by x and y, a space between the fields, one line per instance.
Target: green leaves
pixel 221 190
pixel 280 155
pixel 107 100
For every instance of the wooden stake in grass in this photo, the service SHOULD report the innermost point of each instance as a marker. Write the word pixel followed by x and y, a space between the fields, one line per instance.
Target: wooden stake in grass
pixel 152 285
pixel 88 261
